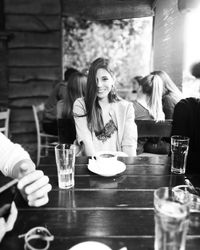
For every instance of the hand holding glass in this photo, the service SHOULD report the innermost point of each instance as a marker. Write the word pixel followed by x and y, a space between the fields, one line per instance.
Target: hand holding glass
pixel 65 161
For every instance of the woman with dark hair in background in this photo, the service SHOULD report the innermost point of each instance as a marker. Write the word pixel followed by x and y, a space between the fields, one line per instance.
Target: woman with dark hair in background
pixel 75 88
pixel 57 94
pixel 135 82
pixel 103 120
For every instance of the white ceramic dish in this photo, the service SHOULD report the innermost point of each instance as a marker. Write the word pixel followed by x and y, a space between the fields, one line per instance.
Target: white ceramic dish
pixel 110 169
pixel 116 153
pixel 90 245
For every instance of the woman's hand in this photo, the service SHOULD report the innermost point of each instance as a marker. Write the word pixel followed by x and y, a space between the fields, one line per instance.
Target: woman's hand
pixel 8 224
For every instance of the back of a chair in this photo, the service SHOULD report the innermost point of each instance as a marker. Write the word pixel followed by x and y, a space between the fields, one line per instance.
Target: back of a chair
pixel 4 121
pixel 38 112
pixel 150 128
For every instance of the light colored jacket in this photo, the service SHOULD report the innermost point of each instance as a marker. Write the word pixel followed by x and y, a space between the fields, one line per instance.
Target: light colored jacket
pixel 122 113
pixel 10 154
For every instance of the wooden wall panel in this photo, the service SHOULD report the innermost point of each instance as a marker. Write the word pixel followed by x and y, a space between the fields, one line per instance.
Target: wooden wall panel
pixel 23 90
pixel 26 74
pixel 32 23
pixel 169 40
pixel 34 61
pixel 34 57
pixel 41 40
pixel 43 7
pixel 107 9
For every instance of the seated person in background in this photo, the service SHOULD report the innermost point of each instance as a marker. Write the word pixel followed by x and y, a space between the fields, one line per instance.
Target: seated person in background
pixel 171 94
pixel 148 106
pixel 135 81
pixel 34 186
pixel 49 115
pixel 103 120
pixel 75 88
pixel 186 121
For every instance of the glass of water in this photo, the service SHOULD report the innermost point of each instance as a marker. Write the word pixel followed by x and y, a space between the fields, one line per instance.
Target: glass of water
pixel 171 219
pixel 65 161
pixel 179 150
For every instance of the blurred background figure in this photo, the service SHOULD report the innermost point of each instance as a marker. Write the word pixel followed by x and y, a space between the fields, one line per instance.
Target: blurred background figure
pixel 135 83
pixel 186 122
pixel 171 94
pixel 58 93
pixel 75 88
pixel 148 104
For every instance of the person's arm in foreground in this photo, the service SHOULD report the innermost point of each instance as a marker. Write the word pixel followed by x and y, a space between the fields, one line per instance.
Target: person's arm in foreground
pixel 15 162
pixel 83 133
pixel 129 140
pixel 7 225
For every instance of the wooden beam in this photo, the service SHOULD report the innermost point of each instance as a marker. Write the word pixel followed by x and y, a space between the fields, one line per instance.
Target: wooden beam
pixel 107 9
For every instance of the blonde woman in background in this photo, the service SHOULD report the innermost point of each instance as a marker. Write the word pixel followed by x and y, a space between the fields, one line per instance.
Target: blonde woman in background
pixel 148 105
pixel 171 94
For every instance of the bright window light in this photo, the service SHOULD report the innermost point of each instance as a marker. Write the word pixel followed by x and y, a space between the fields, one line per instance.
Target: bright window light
pixel 192 52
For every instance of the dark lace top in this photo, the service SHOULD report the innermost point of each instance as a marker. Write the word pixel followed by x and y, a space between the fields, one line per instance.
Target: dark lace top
pixel 107 131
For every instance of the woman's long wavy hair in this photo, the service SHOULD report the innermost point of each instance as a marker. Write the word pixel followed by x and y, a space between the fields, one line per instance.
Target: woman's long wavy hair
pixel 168 85
pixel 152 86
pixel 93 109
pixel 75 88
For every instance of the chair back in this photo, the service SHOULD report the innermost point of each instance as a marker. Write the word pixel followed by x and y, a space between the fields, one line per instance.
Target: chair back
pixel 4 121
pixel 150 128
pixel 38 114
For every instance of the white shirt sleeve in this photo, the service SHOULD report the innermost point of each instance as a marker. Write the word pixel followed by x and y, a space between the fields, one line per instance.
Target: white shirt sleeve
pixel 10 155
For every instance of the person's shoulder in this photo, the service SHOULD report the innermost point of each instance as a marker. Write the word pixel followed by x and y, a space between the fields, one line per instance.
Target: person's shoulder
pixel 79 101
pixel 79 105
pixel 187 104
pixel 123 104
pixel 189 101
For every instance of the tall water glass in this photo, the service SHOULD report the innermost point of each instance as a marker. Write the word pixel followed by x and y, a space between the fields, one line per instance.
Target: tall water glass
pixel 65 161
pixel 179 150
pixel 171 219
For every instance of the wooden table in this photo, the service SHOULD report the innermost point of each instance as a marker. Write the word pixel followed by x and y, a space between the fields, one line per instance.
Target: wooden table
pixel 116 211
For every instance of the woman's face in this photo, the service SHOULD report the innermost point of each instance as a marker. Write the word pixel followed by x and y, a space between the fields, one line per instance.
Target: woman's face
pixel 104 81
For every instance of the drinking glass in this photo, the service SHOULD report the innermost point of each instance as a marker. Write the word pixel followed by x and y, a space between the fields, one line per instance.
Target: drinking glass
pixel 179 150
pixel 171 219
pixel 65 161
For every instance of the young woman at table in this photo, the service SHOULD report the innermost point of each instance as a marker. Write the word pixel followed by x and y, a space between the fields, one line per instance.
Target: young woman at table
pixel 171 94
pixel 103 120
pixel 75 88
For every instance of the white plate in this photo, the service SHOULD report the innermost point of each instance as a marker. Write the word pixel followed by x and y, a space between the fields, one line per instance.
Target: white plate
pixel 90 245
pixel 116 153
pixel 107 170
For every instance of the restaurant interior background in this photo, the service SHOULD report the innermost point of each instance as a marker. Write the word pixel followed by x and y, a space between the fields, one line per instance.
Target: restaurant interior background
pixel 32 49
